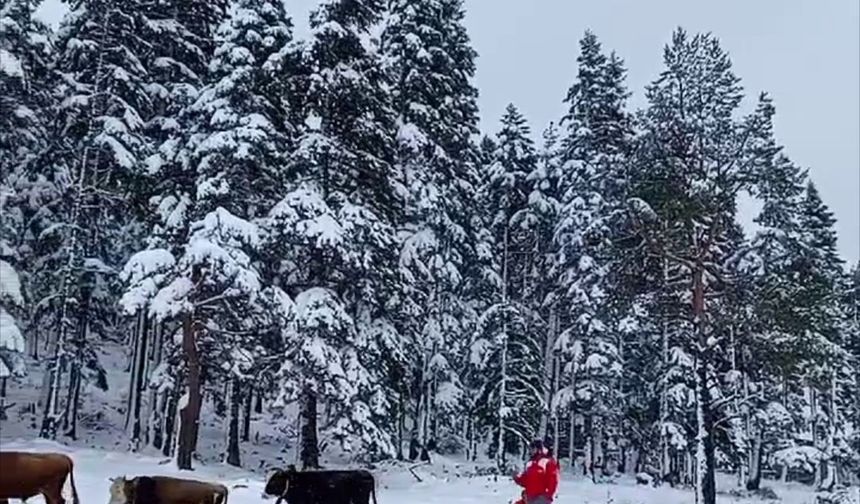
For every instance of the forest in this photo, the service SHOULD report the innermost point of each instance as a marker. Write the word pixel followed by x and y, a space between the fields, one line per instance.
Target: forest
pixel 318 231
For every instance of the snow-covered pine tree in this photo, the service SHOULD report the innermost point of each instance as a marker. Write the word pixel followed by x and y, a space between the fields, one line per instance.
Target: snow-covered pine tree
pixel 509 346
pixel 430 65
pixel 206 266
pixel 338 215
pixel 25 52
pixel 542 290
pixel 594 150
pixel 850 302
pixel 821 269
pixel 179 36
pixel 97 147
pixel 701 157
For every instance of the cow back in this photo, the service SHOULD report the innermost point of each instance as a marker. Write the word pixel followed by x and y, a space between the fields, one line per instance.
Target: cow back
pixel 24 475
pixel 335 487
pixel 182 491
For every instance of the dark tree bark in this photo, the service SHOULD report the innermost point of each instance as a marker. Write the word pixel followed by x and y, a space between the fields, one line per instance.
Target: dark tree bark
pixel 138 381
pixel 258 402
pixel 705 423
pixel 190 411
pixel 310 444
pixel 246 418
pixel 169 421
pixel 754 480
pixel 235 398
pixel 72 429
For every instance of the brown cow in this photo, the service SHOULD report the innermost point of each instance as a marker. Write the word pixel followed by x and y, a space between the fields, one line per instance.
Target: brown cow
pixel 165 490
pixel 24 475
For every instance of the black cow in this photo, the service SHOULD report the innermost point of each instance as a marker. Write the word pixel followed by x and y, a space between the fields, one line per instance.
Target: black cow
pixel 322 487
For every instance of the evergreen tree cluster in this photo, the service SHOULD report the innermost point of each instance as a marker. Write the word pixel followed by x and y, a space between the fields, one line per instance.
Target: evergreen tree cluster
pixel 313 231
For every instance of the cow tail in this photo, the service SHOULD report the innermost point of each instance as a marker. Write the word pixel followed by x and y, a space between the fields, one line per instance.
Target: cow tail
pixel 75 499
pixel 226 494
pixel 373 491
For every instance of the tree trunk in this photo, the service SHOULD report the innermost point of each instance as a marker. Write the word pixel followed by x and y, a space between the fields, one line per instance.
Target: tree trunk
pixel 754 478
pixel 169 428
pixel 664 400
pixel 548 363
pixel 233 458
pixel 705 456
pixel 740 459
pixel 258 402
pixel 401 417
pixel 3 408
pixel 310 454
pixel 138 383
pixel 571 446
pixel 246 418
pixel 190 403
pixel 500 451
pixel 556 428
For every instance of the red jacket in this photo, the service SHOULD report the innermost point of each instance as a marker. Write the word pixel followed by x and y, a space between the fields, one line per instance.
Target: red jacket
pixel 540 477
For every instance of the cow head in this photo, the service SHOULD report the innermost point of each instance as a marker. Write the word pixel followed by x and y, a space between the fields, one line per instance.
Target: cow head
pixel 120 490
pixel 279 481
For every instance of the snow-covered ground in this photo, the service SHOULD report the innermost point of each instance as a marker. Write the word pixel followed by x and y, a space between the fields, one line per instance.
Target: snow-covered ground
pixel 93 468
pixel 101 453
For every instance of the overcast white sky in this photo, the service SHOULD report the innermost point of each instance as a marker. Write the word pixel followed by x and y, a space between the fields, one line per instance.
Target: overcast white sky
pixel 805 53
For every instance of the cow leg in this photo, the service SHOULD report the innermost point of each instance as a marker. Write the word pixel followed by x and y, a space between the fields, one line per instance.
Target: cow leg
pixel 53 497
pixel 53 494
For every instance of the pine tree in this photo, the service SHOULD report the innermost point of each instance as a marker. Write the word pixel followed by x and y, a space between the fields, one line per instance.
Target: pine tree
pixel 696 158
pixel 25 51
pixel 593 156
pixel 542 292
pixel 97 148
pixel 338 213
pixel 231 162
pixel 179 40
pixel 508 349
pixel 430 65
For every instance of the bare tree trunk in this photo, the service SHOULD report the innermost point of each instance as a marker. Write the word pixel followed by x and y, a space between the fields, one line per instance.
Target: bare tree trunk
pixel 548 364
pixel 258 402
pixel 169 428
pixel 664 399
pixel 571 446
pixel 233 457
pixel 401 418
pixel 246 418
pixel 500 451
pixel 556 417
pixel 309 442
pixel 754 479
pixel 154 434
pixel 705 456
pixel 192 400
pixel 740 459
pixel 138 383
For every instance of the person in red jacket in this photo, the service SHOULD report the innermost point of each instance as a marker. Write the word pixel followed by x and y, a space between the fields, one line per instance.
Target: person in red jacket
pixel 540 478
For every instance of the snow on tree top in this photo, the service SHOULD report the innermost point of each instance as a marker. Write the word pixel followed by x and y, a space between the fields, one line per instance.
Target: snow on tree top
pixel 172 300
pixel 146 263
pixel 10 285
pixel 10 65
pixel 10 336
pixel 228 228
pixel 318 307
